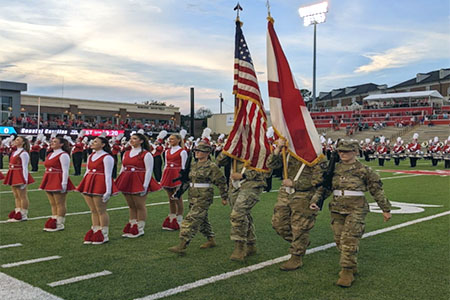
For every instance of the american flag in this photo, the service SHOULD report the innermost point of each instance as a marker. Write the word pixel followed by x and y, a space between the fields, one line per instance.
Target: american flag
pixel 247 141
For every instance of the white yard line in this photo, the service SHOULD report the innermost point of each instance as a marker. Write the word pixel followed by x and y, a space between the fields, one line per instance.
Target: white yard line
pixel 395 177
pixel 205 281
pixel 10 192
pixel 79 278
pixel 12 288
pixel 88 212
pixel 31 261
pixel 10 245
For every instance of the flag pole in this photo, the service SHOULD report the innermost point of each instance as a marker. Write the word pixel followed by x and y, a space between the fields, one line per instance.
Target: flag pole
pixel 39 113
pixel 285 169
pixel 237 8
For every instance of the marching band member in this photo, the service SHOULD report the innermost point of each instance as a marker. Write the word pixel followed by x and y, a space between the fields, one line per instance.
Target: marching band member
pixel 446 153
pixel 2 151
pixel 34 155
pixel 176 158
pixel 18 178
pixel 43 150
pixel 115 149
pixel 381 151
pixel 135 181
pixel 435 151
pixel 157 155
pixel 77 154
pixel 329 148
pixel 398 150
pixel 97 186
pixel 85 141
pixel 219 145
pixel 56 182
pixel 414 150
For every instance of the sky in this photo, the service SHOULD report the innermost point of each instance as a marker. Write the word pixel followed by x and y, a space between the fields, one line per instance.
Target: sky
pixel 139 50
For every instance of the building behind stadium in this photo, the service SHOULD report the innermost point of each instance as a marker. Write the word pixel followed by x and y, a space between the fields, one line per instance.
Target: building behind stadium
pixel 18 105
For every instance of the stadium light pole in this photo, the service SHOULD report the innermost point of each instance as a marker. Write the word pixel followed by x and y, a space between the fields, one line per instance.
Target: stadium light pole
pixel 313 15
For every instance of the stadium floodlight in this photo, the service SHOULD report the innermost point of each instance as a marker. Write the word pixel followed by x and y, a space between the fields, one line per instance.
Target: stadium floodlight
pixel 313 15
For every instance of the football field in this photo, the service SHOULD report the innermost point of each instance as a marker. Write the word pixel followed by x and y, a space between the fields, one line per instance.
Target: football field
pixel 405 258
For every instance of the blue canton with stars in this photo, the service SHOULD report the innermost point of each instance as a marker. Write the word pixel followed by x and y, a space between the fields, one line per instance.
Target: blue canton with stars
pixel 241 51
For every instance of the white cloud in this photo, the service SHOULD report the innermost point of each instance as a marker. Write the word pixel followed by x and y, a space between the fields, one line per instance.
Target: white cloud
pixel 427 46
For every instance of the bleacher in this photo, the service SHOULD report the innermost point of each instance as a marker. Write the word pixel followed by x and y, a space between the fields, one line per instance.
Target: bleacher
pixel 425 133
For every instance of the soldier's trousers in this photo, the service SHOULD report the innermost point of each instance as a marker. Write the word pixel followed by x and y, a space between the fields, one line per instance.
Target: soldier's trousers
pixel 348 230
pixel 196 219
pixel 292 219
pixel 242 201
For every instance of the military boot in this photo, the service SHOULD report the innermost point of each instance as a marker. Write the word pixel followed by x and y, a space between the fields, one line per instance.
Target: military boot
pixel 239 251
pixel 293 263
pixel 209 244
pixel 251 249
pixel 180 248
pixel 345 277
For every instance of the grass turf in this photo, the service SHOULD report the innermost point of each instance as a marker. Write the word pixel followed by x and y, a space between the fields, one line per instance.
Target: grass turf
pixel 408 263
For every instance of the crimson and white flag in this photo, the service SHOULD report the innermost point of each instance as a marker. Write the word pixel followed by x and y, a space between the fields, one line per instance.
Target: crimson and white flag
pixel 247 141
pixel 290 116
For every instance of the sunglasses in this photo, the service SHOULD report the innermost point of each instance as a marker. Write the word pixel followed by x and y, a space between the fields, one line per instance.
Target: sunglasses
pixel 345 151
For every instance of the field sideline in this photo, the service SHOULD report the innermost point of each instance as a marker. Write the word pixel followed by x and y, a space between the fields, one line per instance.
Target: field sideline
pixel 409 262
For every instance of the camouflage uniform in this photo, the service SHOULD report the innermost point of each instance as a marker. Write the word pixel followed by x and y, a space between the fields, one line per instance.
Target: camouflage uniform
pixel 292 218
pixel 348 212
pixel 242 201
pixel 200 198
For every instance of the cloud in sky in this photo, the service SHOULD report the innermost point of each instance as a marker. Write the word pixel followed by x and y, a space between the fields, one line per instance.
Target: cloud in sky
pixel 135 50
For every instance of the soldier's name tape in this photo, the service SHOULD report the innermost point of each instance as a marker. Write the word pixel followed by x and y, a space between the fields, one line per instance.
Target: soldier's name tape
pixel 212 279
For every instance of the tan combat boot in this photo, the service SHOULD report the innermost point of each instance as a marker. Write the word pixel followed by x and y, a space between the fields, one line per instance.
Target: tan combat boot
pixel 345 277
pixel 293 263
pixel 180 248
pixel 209 244
pixel 251 249
pixel 239 251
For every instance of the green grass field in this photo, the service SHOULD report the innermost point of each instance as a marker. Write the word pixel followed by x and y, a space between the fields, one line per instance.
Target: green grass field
pixel 412 262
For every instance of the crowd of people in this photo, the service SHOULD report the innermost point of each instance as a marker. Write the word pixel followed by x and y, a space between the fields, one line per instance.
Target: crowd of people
pixel 141 172
pixel 64 123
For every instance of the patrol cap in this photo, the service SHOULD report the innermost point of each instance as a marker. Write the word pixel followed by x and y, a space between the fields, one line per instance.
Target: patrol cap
pixel 348 145
pixel 203 147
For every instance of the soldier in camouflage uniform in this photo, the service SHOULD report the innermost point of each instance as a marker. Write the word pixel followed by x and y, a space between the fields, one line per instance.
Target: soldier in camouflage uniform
pixel 292 218
pixel 349 206
pixel 245 187
pixel 202 175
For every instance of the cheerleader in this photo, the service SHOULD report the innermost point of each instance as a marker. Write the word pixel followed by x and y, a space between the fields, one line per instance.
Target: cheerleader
pixel 135 181
pixel 18 178
pixel 56 182
pixel 176 158
pixel 97 186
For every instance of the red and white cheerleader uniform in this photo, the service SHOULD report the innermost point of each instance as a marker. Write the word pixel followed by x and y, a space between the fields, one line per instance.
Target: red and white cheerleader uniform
pixel 18 171
pixel 176 158
pixel 136 178
pixel 56 179
pixel 97 181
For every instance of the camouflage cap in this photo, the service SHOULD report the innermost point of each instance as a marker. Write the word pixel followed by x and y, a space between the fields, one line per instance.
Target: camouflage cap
pixel 348 145
pixel 203 147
